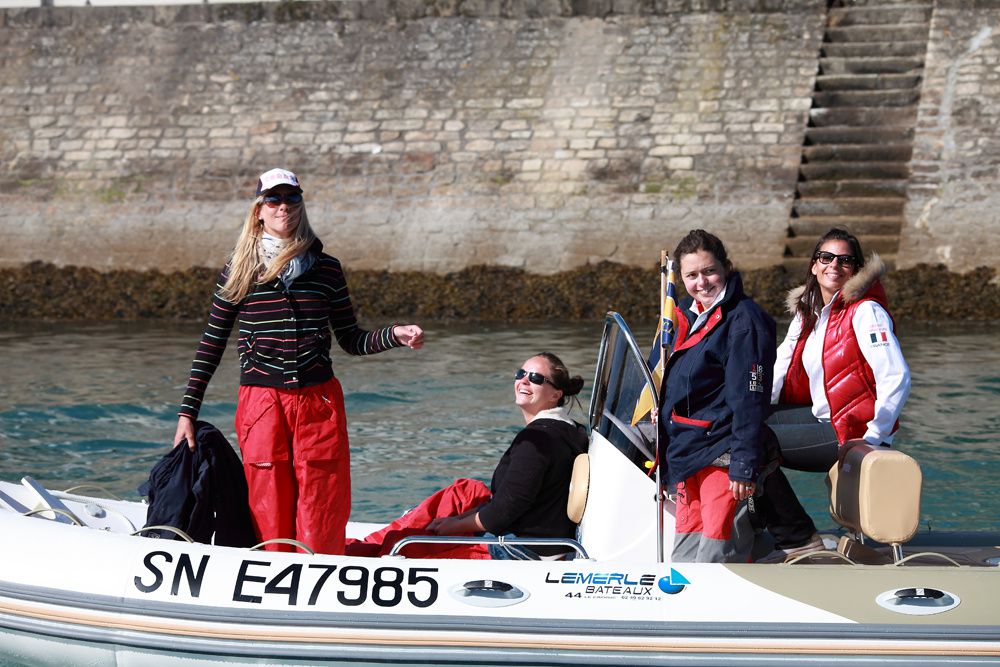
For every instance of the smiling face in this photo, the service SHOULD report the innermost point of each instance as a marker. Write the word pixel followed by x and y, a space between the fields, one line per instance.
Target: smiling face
pixel 533 398
pixel 282 219
pixel 704 276
pixel 831 277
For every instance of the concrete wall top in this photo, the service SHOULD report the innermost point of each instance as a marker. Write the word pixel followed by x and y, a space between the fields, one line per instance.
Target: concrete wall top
pixel 381 10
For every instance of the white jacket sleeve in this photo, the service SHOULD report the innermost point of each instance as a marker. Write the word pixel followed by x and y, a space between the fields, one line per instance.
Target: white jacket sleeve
pixel 784 358
pixel 878 343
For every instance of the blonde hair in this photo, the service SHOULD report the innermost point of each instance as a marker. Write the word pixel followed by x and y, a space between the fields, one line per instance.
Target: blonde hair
pixel 246 265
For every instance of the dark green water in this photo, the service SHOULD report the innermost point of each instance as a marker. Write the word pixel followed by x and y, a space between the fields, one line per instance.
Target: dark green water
pixel 97 403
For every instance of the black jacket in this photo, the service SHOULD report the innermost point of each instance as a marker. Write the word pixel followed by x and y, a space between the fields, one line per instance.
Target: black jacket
pixel 202 492
pixel 531 483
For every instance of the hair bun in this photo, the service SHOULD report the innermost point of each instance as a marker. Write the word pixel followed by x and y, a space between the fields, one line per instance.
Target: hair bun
pixel 574 386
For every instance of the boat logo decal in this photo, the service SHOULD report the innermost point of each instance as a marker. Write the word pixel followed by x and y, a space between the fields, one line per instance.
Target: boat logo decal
pixel 296 585
pixel 605 585
pixel 673 583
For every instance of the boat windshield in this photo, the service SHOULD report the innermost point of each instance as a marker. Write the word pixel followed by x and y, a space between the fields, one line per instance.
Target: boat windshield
pixel 623 394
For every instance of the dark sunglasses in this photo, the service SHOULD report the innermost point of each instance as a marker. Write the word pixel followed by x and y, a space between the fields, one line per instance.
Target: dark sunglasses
pixel 290 199
pixel 533 378
pixel 828 257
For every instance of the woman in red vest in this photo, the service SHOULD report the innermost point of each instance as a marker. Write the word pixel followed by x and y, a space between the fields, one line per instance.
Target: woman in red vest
pixel 839 374
pixel 841 363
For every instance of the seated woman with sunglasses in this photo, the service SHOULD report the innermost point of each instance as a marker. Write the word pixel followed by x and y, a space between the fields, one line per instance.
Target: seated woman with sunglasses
pixel 839 374
pixel 286 295
pixel 530 488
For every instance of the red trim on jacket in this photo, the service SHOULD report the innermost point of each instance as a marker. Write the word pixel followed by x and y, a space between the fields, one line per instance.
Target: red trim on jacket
pixel 847 378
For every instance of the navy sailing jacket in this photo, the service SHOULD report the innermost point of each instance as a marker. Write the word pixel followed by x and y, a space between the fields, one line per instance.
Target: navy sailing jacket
pixel 202 492
pixel 717 388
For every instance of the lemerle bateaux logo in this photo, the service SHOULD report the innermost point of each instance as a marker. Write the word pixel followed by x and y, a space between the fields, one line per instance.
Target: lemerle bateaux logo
pixel 673 583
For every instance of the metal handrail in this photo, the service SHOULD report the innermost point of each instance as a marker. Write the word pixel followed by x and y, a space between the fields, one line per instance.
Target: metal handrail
pixel 516 541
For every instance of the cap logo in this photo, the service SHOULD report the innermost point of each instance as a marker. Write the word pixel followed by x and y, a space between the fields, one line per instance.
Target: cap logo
pixel 276 177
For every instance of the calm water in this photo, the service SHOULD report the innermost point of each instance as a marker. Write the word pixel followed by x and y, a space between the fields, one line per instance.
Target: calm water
pixel 97 403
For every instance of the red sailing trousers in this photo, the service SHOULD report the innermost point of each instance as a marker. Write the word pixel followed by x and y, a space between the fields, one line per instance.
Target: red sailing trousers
pixel 297 463
pixel 462 495
pixel 705 504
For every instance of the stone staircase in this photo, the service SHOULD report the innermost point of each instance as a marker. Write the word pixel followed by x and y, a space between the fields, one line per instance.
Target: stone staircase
pixel 858 144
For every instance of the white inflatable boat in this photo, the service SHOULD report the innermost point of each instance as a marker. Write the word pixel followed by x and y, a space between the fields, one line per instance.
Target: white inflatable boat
pixel 80 584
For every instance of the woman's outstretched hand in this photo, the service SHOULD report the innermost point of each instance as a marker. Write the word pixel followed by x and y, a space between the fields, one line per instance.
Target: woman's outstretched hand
pixel 185 429
pixel 409 335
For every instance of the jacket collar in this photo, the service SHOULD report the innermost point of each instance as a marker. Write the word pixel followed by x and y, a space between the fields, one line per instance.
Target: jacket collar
pixel 734 294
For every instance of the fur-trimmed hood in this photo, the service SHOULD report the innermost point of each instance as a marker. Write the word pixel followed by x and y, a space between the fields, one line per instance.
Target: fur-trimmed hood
pixel 854 289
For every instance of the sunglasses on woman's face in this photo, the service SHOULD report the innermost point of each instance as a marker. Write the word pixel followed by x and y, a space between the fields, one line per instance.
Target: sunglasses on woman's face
pixel 276 200
pixel 533 378
pixel 827 258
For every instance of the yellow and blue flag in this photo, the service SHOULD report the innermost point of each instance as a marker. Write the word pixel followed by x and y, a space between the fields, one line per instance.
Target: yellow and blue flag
pixel 663 342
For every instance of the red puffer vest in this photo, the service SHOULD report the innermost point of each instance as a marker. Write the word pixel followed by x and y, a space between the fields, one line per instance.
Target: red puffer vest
pixel 848 379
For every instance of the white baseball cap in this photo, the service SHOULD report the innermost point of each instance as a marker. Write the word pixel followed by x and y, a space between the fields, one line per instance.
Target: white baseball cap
pixel 276 177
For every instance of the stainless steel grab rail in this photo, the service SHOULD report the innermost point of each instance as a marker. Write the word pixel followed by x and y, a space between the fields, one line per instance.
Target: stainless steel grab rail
pixel 516 541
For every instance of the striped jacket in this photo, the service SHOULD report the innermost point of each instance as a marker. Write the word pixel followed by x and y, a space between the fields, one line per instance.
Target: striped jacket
pixel 284 333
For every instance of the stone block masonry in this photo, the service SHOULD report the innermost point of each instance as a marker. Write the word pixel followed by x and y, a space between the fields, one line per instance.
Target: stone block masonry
pixel 954 194
pixel 430 136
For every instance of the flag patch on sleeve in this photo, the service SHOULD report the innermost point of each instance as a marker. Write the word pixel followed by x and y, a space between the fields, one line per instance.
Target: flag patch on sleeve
pixel 878 337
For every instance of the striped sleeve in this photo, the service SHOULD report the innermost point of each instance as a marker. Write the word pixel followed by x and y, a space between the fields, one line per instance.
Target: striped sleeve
pixel 221 319
pixel 352 338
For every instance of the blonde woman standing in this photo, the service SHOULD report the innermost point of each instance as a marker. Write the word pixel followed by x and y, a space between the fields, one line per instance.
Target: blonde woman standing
pixel 289 299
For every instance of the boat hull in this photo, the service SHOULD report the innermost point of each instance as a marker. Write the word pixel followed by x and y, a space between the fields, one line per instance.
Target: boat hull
pixel 116 599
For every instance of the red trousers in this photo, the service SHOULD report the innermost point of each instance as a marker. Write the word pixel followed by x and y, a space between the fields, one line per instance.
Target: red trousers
pixel 705 504
pixel 462 495
pixel 297 463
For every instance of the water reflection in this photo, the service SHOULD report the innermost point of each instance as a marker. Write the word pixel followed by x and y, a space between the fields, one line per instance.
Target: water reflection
pixel 98 403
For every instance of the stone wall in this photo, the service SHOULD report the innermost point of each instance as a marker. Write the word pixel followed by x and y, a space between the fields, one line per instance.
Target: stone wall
pixel 430 136
pixel 954 194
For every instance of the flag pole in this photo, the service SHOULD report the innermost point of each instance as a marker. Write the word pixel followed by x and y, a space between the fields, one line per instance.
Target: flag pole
pixel 661 364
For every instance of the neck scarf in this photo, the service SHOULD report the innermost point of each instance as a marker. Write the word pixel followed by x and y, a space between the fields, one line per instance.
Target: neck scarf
pixel 271 247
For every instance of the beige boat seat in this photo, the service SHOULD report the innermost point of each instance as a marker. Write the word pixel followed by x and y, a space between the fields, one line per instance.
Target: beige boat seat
pixel 875 493
pixel 579 486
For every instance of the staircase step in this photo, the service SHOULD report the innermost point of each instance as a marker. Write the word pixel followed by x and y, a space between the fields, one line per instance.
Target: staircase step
pixel 905 32
pixel 873 49
pixel 893 65
pixel 866 98
pixel 839 134
pixel 853 188
pixel 829 82
pixel 838 171
pixel 858 153
pixel 846 16
pixel 802 246
pixel 814 227
pixel 808 207
pixel 863 116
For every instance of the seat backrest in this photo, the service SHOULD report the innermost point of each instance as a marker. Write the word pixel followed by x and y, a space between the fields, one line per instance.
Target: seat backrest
pixel 875 491
pixel 579 486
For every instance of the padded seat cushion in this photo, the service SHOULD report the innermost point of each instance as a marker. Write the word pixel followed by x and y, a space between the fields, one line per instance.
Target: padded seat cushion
pixel 875 491
pixel 579 486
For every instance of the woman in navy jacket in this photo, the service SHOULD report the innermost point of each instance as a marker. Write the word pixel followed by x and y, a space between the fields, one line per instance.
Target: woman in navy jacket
pixel 716 395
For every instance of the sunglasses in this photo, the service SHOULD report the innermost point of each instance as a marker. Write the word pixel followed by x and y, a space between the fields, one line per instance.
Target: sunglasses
pixel 533 378
pixel 276 200
pixel 827 258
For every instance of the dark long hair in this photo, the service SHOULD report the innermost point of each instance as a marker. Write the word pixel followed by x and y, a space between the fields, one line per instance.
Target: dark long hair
pixel 810 303
pixel 560 378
